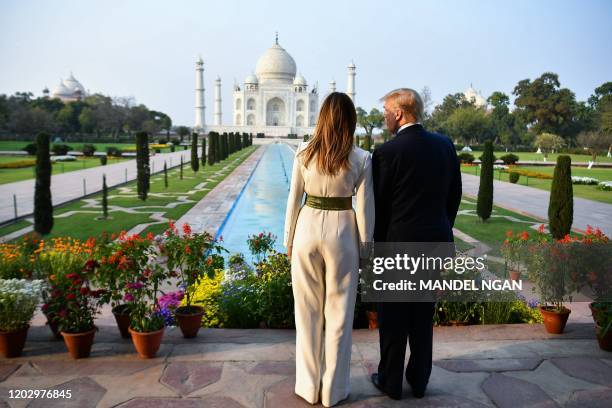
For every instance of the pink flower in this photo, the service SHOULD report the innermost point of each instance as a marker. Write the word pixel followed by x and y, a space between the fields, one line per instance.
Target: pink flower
pixel 128 297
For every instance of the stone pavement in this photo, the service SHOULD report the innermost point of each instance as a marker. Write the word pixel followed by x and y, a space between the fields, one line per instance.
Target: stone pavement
pixel 69 186
pixel 474 366
pixel 534 202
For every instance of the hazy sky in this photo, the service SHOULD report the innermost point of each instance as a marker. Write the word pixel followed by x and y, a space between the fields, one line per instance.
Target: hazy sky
pixel 147 49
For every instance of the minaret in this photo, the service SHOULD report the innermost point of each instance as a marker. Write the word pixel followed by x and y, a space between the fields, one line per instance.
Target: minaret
pixel 350 88
pixel 218 114
pixel 332 86
pixel 200 121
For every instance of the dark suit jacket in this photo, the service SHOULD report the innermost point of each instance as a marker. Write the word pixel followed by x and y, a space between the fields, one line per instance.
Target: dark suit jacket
pixel 417 187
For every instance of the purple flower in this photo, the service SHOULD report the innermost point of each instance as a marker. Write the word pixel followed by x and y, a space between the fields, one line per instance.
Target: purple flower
pixel 128 297
pixel 135 285
pixel 533 303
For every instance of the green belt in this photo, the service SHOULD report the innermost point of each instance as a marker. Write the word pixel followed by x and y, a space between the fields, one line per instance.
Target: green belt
pixel 329 203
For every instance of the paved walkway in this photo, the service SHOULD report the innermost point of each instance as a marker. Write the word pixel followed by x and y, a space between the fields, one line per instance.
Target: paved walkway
pixel 534 202
pixel 474 366
pixel 69 186
pixel 210 212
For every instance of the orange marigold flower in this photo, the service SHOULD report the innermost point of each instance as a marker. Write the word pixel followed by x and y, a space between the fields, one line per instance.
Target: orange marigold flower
pixel 524 235
pixel 509 233
pixel 150 236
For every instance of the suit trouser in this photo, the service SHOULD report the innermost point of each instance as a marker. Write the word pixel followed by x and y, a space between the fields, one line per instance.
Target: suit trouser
pixel 324 272
pixel 399 323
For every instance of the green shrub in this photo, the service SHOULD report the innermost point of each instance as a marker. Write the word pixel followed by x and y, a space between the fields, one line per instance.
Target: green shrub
pixel 113 151
pixel 466 157
pixel 43 206
pixel 195 164
pixel 103 160
pixel 88 150
pixel 561 205
pixel 514 177
pixel 60 149
pixel 509 158
pixel 30 148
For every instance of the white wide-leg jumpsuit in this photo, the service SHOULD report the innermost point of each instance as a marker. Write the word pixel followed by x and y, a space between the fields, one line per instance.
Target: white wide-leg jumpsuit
pixel 325 272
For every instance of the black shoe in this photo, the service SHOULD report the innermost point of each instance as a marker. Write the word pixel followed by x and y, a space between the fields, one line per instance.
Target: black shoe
pixel 377 383
pixel 417 392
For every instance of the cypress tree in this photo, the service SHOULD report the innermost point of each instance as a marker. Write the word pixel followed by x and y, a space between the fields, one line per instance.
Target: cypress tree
pixel 484 206
pixel 203 153
pixel 561 205
pixel 238 142
pixel 43 205
pixel 211 148
pixel 195 164
pixel 165 175
pixel 142 164
pixel 104 197
pixel 181 170
pixel 224 146
pixel 218 141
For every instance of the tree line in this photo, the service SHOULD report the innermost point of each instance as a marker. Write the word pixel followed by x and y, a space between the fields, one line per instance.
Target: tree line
pixel 97 115
pixel 541 107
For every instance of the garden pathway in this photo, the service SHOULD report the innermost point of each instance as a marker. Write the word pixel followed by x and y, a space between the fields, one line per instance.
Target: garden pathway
pixel 474 366
pixel 533 202
pixel 69 186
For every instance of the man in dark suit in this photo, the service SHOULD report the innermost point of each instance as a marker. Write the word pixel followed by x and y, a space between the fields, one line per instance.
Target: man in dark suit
pixel 417 190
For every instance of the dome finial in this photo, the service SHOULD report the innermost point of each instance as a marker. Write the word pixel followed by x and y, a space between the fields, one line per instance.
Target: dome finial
pixel 276 38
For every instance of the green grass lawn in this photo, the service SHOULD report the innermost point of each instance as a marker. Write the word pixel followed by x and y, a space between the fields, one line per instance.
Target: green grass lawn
pixel 10 145
pixel 590 192
pixel 85 225
pixel 25 173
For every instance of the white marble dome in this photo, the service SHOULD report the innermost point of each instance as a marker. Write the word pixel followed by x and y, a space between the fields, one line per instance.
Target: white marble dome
pixel 61 90
pixel 73 85
pixel 299 80
pixel 276 65
pixel 251 79
pixel 475 97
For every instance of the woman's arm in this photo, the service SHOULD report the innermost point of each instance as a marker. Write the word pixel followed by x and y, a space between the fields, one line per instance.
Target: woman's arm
pixel 294 201
pixel 365 209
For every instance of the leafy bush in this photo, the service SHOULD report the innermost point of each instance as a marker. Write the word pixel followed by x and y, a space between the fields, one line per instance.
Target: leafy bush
pixel 60 149
pixel 514 177
pixel 103 160
pixel 18 301
pixel 30 148
pixel 509 158
pixel 465 157
pixel 260 136
pixel 113 151
pixel 561 205
pixel 89 150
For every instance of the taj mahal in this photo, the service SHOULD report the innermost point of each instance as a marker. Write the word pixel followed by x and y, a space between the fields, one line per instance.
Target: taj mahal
pixel 275 100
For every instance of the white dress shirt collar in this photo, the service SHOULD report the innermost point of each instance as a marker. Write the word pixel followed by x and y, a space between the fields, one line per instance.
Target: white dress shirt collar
pixel 406 125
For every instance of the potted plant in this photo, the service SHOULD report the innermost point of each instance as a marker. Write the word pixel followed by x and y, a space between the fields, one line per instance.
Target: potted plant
pixel 190 256
pixel 121 257
pixel 76 317
pixel 18 301
pixel 596 273
pixel 57 259
pixel 512 250
pixel 551 271
pixel 146 318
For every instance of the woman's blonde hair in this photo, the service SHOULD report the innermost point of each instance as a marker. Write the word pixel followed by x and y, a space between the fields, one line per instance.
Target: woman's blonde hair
pixel 332 141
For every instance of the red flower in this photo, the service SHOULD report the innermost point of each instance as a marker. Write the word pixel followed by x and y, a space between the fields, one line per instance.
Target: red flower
pixel 72 276
pixel 186 229
pixel 150 236
pixel 84 291
pixel 70 296
pixel 509 234
pixel 542 228
pixel 187 249
pixel 524 235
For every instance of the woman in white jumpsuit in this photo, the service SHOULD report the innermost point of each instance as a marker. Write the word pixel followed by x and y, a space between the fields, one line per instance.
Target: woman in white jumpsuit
pixel 324 238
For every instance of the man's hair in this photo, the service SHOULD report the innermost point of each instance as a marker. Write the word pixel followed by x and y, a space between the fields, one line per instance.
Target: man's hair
pixel 407 100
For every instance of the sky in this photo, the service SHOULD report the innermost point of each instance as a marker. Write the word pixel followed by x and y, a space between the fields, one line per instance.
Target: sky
pixel 147 49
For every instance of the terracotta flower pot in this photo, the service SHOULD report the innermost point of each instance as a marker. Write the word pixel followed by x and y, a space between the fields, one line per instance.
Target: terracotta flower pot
pixel 605 342
pixel 147 343
pixel 79 344
pixel 189 319
pixel 514 275
pixel 598 311
pixel 372 319
pixel 554 321
pixel 122 317
pixel 11 343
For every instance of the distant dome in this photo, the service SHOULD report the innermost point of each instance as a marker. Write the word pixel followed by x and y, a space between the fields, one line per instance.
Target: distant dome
pixel 251 79
pixel 61 90
pixel 475 97
pixel 73 85
pixel 276 65
pixel 299 80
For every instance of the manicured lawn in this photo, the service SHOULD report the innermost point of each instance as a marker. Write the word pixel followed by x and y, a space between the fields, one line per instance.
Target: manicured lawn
pixel 590 192
pixel 84 224
pixel 532 156
pixel 11 145
pixel 25 173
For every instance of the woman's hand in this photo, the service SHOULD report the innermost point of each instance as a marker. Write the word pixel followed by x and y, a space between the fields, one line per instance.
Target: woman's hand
pixel 289 250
